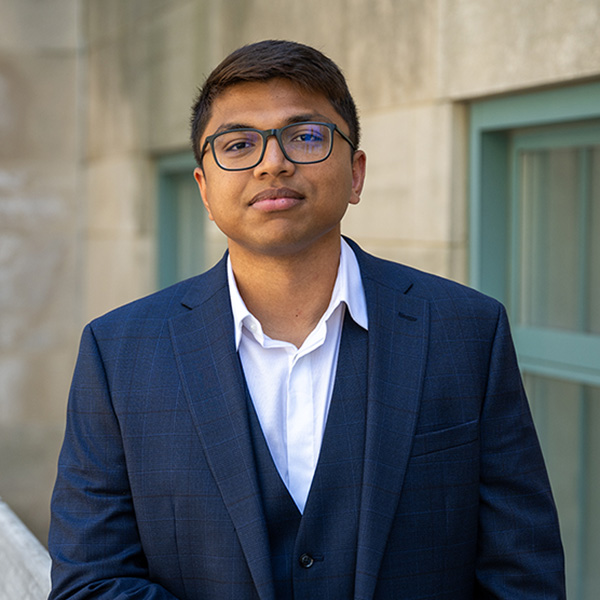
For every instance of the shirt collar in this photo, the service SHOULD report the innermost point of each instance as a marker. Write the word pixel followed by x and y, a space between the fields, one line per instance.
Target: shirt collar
pixel 348 288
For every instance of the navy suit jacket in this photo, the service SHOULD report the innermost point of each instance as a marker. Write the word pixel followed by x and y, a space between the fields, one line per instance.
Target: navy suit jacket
pixel 157 495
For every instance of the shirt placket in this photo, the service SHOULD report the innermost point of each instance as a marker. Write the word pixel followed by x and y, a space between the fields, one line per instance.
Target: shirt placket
pixel 300 427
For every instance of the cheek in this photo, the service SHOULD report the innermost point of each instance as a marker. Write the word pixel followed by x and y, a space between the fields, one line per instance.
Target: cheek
pixel 215 196
pixel 336 190
pixel 223 207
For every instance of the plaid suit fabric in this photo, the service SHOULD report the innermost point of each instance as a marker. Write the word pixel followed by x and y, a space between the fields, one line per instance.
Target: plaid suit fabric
pixel 157 496
pixel 328 528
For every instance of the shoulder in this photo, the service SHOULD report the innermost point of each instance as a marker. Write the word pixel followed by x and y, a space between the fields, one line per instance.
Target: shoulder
pixel 444 295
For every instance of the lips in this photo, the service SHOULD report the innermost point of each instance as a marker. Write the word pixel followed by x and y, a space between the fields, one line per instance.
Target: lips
pixel 275 193
pixel 275 199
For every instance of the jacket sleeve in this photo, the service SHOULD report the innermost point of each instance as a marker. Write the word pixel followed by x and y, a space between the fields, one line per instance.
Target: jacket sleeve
pixel 519 549
pixel 94 542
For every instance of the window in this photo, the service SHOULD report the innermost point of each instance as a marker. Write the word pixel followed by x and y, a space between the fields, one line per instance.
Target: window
pixel 182 244
pixel 535 245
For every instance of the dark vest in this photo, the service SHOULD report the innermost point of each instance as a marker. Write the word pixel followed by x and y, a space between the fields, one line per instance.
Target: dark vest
pixel 313 555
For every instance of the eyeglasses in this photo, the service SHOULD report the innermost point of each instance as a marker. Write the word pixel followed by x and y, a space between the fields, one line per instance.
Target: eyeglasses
pixel 244 148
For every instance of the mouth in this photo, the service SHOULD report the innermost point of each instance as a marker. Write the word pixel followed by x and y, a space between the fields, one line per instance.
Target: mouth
pixel 276 199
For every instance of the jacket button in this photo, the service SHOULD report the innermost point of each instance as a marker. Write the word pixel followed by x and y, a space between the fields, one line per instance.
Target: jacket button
pixel 306 561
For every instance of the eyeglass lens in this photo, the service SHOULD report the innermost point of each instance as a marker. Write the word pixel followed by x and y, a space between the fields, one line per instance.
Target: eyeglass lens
pixel 302 143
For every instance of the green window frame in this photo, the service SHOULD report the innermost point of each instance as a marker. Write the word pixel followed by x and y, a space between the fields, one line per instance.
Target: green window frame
pixel 568 354
pixel 181 240
pixel 493 213
pixel 561 366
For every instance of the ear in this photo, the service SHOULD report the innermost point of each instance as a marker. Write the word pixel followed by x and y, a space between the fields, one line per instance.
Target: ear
pixel 200 178
pixel 359 167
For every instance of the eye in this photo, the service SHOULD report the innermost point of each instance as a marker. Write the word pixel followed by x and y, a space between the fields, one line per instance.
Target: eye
pixel 235 143
pixel 237 146
pixel 242 145
pixel 308 133
pixel 309 136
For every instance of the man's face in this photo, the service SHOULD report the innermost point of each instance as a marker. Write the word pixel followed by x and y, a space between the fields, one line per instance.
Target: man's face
pixel 278 207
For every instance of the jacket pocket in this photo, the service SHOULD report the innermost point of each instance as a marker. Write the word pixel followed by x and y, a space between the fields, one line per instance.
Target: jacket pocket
pixel 445 439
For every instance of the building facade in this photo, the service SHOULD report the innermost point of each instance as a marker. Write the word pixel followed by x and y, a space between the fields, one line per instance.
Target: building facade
pixel 481 124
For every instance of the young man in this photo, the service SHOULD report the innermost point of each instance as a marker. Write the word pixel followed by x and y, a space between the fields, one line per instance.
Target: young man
pixel 304 420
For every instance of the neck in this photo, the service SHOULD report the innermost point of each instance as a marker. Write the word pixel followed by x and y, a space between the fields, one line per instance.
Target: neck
pixel 287 294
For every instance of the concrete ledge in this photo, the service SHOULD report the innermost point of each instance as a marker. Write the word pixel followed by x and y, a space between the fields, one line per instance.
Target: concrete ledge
pixel 24 562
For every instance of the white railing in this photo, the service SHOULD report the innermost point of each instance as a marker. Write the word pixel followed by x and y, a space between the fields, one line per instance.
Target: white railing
pixel 24 562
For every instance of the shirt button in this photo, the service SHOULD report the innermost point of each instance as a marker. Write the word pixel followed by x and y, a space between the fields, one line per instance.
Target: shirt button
pixel 306 561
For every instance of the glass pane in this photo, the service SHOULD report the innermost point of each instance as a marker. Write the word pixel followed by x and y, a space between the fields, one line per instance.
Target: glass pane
pixel 190 226
pixel 567 417
pixel 556 413
pixel 594 251
pixel 559 272
pixel 549 237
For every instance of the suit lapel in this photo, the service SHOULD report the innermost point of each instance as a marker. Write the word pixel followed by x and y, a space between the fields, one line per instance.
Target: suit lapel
pixel 213 382
pixel 398 326
pixel 212 378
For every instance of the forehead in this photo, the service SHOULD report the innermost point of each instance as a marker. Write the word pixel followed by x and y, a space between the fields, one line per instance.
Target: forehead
pixel 268 104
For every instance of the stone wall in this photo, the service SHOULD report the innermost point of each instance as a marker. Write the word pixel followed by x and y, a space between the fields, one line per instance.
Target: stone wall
pixel 413 66
pixel 41 248
pixel 93 92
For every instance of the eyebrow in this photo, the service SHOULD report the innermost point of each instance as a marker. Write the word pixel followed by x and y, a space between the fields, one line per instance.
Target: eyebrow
pixel 300 118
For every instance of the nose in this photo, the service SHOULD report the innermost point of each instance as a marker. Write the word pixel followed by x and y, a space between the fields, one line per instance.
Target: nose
pixel 274 161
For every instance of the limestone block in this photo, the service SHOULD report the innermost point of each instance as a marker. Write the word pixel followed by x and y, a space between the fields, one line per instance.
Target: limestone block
pixel 142 74
pixel 107 20
pixel 12 375
pixel 30 24
pixel 25 563
pixel 118 185
pixel 104 20
pixel 173 78
pixel 392 52
pixel 39 227
pixel 241 22
pixel 47 385
pixel 387 49
pixel 407 194
pixel 38 113
pixel 37 194
pixel 38 256
pixel 28 459
pixel 119 270
pixel 489 46
pixel 117 108
pixel 37 383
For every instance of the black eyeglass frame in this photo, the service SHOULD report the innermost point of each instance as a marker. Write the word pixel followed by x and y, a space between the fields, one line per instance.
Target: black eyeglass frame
pixel 266 134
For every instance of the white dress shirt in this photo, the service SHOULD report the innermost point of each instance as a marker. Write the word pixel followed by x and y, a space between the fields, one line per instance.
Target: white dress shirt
pixel 291 387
